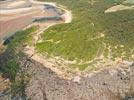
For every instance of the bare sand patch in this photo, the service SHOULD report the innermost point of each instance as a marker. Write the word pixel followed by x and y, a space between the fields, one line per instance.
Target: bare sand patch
pixel 4 83
pixel 8 27
pixel 20 10
pixel 16 3
pixel 118 8
pixel 12 4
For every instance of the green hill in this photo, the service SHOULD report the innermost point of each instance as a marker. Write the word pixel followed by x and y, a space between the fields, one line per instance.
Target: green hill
pixel 92 33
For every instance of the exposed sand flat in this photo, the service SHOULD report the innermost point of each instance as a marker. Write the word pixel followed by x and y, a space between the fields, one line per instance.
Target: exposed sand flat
pixel 11 4
pixel 13 25
pixel 6 17
pixel 42 3
pixel 36 14
pixel 118 8
pixel 20 10
pixel 16 3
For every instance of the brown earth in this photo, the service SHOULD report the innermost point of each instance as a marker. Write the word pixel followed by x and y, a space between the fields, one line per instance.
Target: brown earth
pixel 108 84
pixel 4 83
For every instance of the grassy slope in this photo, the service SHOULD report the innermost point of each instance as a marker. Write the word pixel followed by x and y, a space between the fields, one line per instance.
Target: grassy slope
pixel 74 40
pixel 10 58
pixel 11 62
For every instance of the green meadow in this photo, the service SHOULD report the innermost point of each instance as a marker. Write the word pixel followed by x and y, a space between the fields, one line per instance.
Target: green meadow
pixel 92 32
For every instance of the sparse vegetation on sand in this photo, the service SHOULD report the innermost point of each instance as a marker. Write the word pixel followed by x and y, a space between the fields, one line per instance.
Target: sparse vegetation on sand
pixel 91 32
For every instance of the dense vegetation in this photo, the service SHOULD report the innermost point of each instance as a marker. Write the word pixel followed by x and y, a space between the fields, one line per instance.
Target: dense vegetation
pixel 79 39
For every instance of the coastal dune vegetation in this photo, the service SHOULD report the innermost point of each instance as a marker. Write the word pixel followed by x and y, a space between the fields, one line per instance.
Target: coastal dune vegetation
pixel 92 33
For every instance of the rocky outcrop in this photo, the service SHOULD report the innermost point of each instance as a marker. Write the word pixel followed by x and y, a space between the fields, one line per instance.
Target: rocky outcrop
pixel 108 84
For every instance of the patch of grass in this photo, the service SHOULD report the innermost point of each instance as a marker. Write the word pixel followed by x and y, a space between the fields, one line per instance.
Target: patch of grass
pixel 18 86
pixel 11 68
pixel 20 37
pixel 82 67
